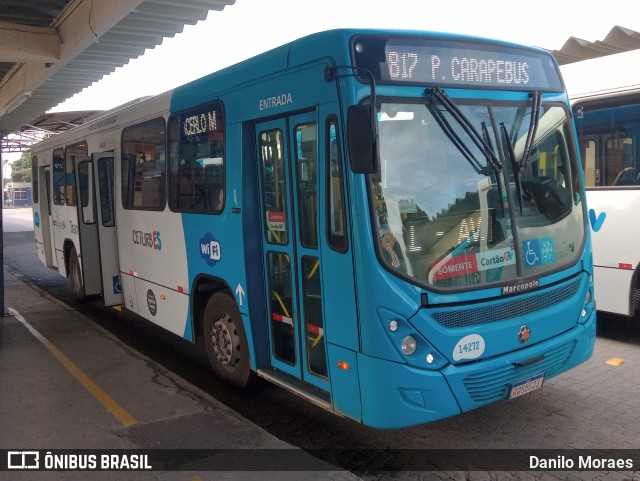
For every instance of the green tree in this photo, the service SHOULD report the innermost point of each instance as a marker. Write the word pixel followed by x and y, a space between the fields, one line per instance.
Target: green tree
pixel 21 168
pixel 6 180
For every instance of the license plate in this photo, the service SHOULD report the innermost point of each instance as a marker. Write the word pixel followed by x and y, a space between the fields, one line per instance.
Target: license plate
pixel 526 385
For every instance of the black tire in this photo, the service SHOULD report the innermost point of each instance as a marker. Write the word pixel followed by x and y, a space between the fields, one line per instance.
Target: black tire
pixel 225 341
pixel 75 275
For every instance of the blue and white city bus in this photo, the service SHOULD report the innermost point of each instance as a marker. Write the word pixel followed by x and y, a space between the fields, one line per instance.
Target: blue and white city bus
pixel 608 126
pixel 389 224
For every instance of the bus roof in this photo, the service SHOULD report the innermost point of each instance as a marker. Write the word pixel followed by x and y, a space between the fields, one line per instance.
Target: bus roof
pixel 330 44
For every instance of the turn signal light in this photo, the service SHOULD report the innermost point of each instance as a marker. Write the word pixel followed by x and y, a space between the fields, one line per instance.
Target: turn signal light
pixel 344 365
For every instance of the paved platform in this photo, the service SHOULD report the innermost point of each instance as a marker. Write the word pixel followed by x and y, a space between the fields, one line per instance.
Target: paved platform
pixel 67 384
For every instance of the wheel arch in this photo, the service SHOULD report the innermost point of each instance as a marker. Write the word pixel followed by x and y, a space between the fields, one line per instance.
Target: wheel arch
pixel 204 286
pixel 66 249
pixel 634 294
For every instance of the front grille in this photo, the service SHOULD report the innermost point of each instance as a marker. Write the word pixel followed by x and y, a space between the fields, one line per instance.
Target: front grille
pixel 508 309
pixel 493 385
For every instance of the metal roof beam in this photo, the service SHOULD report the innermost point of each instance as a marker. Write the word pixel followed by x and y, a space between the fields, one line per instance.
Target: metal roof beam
pixel 24 43
pixel 77 27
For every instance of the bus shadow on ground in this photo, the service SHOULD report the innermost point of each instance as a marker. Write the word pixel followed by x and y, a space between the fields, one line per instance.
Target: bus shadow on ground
pixel 619 328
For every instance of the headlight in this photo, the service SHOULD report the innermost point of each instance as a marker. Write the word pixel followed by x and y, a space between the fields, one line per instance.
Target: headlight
pixel 408 345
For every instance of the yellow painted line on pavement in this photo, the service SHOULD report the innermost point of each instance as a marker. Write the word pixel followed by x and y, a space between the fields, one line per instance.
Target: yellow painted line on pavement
pixel 96 391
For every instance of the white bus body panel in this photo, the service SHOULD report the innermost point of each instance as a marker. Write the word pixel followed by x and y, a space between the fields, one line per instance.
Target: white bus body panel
pixel 610 291
pixel 153 258
pixel 615 248
pixel 65 227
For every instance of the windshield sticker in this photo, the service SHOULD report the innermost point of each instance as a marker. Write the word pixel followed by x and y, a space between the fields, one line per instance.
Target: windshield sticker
pixel 276 221
pixel 492 261
pixel 494 275
pixel 538 252
pixel 469 347
pixel 454 267
pixel 566 249
pixel 495 258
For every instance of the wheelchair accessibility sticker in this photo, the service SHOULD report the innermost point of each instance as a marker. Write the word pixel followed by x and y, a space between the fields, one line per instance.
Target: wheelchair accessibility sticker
pixel 117 284
pixel 538 251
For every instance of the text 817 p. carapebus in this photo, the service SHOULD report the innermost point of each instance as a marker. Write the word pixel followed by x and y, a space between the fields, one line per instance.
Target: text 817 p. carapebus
pixel 389 224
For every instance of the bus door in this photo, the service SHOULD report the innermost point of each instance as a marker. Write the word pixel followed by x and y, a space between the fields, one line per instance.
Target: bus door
pixel 86 226
pixel 107 234
pixel 288 167
pixel 46 218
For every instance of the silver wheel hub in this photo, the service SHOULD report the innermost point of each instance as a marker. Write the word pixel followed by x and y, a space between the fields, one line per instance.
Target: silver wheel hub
pixel 222 340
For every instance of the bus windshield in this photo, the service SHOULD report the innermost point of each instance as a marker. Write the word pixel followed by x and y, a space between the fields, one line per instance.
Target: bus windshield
pixel 454 209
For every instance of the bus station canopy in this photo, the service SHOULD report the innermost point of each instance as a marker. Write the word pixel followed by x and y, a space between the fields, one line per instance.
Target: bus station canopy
pixel 46 124
pixel 618 40
pixel 52 49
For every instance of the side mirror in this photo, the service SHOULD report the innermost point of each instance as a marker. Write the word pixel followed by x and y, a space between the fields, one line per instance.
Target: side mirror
pixel 362 139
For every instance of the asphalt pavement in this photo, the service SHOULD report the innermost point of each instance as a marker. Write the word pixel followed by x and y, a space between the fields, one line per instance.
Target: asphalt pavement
pixel 72 389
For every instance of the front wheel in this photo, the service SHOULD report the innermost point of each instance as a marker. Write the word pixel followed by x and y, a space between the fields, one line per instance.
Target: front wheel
pixel 226 342
pixel 75 275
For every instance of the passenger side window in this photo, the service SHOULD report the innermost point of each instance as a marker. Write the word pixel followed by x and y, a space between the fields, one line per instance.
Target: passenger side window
pixel 105 180
pixel 144 166
pixel 336 216
pixel 307 167
pixel 34 179
pixel 72 151
pixel 58 177
pixel 197 160
pixel 620 161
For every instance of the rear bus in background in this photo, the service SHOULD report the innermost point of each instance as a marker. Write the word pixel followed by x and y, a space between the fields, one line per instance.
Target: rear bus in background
pixel 608 125
pixel 389 224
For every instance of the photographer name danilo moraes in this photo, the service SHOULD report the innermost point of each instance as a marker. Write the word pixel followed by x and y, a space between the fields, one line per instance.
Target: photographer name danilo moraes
pixel 583 462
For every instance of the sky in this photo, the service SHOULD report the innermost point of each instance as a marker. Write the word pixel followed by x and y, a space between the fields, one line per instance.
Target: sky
pixel 250 27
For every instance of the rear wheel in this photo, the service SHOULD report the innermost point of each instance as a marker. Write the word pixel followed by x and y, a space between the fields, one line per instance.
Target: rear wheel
pixel 75 275
pixel 226 342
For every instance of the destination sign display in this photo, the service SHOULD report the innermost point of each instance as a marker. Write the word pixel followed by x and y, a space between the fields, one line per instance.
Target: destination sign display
pixel 201 124
pixel 425 61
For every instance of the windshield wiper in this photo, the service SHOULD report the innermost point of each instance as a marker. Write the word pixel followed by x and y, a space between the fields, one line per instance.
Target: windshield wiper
pixel 536 103
pixel 514 163
pixel 487 138
pixel 468 127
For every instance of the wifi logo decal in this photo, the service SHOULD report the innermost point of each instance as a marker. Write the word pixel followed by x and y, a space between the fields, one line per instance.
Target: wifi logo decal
pixel 210 249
